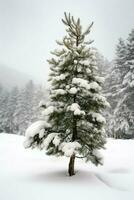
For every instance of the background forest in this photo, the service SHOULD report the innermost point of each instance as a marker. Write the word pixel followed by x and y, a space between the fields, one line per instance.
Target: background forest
pixel 19 106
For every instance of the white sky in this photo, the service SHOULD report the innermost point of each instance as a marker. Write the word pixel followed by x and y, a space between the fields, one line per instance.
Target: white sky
pixel 29 28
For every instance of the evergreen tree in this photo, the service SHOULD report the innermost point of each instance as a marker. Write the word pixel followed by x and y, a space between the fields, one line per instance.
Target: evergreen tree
pixel 39 97
pixel 29 102
pixel 128 81
pixel 105 69
pixel 23 114
pixel 27 106
pixel 73 124
pixel 128 89
pixel 19 107
pixel 20 113
pixel 114 90
pixel 10 109
pixel 4 95
pixel 116 74
pixel 103 65
pixel 121 93
pixel 1 107
pixel 120 61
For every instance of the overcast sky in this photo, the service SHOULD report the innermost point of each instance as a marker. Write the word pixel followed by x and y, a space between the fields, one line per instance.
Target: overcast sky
pixel 29 28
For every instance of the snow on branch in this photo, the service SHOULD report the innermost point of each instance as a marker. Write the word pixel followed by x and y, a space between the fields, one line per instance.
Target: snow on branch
pixel 100 98
pixel 37 128
pixel 59 92
pixel 76 109
pixel 99 79
pixel 97 117
pixel 85 84
pixel 61 77
pixel 48 110
pixel 52 137
pixel 73 90
pixel 69 148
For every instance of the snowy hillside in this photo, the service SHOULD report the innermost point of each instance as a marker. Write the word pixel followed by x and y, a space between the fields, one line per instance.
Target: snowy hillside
pixel 30 175
pixel 10 77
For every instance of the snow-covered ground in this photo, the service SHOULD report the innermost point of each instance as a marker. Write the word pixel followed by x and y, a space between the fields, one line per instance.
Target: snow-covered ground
pixel 31 175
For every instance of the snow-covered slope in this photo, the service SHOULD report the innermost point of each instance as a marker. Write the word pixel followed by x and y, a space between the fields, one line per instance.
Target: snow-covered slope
pixel 10 77
pixel 30 175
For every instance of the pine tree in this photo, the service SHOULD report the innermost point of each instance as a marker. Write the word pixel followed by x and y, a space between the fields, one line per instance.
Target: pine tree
pixel 128 81
pixel 114 90
pixel 39 97
pixel 120 61
pixel 29 102
pixel 23 114
pixel 27 107
pixel 1 107
pixel 117 73
pixel 103 65
pixel 10 109
pixel 121 93
pixel 73 124
pixel 4 96
pixel 128 88
pixel 105 69
pixel 20 113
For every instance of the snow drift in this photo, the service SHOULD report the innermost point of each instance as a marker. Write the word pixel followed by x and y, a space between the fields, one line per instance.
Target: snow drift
pixel 30 175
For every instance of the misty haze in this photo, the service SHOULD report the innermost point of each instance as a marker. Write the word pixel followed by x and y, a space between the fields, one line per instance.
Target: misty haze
pixel 66 99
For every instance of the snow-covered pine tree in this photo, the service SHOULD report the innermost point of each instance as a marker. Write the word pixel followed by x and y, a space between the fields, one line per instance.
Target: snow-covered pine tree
pixel 128 89
pixel 105 69
pixel 29 102
pixel 2 107
pixel 73 125
pixel 117 73
pixel 20 113
pixel 23 114
pixel 121 93
pixel 103 64
pixel 114 89
pixel 120 61
pixel 40 96
pixel 4 95
pixel 10 109
pixel 128 81
pixel 118 109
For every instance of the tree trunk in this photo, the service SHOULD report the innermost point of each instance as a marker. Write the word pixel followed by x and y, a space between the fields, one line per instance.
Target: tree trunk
pixel 74 136
pixel 71 165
